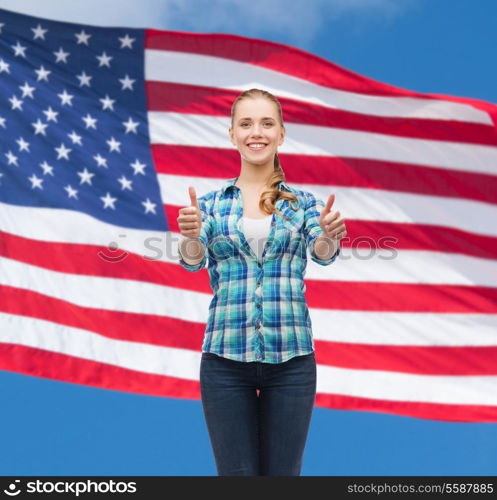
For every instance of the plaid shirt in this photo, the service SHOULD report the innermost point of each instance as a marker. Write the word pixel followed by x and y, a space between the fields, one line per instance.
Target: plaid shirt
pixel 259 311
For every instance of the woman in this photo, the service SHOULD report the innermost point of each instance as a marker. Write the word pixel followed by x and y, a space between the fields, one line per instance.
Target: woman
pixel 258 370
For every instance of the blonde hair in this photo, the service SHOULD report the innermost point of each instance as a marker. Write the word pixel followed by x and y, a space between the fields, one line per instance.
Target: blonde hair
pixel 269 197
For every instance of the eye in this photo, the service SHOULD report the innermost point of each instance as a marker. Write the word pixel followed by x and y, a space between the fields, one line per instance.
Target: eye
pixel 268 123
pixel 245 123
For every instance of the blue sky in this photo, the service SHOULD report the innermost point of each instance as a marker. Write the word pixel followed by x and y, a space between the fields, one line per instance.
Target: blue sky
pixel 441 46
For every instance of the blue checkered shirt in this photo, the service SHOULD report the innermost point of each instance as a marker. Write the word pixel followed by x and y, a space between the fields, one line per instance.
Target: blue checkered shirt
pixel 259 311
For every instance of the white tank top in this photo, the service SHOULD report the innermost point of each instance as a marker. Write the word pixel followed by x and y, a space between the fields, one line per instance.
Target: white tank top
pixel 256 233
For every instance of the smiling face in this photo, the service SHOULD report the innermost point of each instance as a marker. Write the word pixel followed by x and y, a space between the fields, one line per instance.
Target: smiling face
pixel 256 130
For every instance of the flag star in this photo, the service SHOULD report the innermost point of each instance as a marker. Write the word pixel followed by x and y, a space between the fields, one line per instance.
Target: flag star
pixel 1 26
pixel 149 206
pixel 40 127
pixel 51 114
pixel 126 41
pixel 36 182
pixel 107 103
pixel 42 74
pixel 19 49
pixel 104 60
pixel 23 145
pixel 62 152
pixel 61 55
pixel 75 138
pixel 71 193
pixel 89 121
pixel 84 79
pixel 4 66
pixel 108 201
pixel 2 122
pixel 138 167
pixel 85 176
pixel 127 82
pixel 39 32
pixel 47 169
pixel 125 183
pixel 16 103
pixel 114 145
pixel 130 125
pixel 82 37
pixel 102 162
pixel 27 90
pixel 11 158
pixel 65 98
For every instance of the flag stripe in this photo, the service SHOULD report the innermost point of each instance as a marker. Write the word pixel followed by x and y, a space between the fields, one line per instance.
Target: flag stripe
pixel 183 363
pixel 213 101
pixel 335 295
pixel 211 131
pixel 377 205
pixel 349 327
pixel 196 69
pixel 168 332
pixel 201 161
pixel 42 363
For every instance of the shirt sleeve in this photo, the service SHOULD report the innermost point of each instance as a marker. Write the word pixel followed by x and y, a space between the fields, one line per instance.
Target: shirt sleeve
pixel 312 229
pixel 205 237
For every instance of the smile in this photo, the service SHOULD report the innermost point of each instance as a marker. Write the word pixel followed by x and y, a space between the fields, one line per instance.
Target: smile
pixel 256 146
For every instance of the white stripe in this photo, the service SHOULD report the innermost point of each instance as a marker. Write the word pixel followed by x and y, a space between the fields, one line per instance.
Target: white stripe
pixel 404 329
pixel 365 204
pixel 53 337
pixel 184 363
pixel 449 329
pixel 197 69
pixel 212 131
pixel 447 389
pixel 104 293
pixel 354 264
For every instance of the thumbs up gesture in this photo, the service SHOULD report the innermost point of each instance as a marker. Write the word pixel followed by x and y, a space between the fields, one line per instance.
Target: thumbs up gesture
pixel 190 218
pixel 330 221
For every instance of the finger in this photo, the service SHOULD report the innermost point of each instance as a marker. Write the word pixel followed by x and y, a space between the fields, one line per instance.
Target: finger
pixel 332 216
pixel 334 224
pixel 189 225
pixel 188 211
pixel 329 203
pixel 193 197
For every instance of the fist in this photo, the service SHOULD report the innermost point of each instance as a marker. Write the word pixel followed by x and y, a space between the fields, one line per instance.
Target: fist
pixel 190 218
pixel 330 221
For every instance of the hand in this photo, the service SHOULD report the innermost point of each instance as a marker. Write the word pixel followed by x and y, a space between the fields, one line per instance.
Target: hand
pixel 190 218
pixel 331 223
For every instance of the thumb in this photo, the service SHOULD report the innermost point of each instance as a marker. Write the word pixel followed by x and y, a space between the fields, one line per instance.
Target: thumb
pixel 329 204
pixel 193 197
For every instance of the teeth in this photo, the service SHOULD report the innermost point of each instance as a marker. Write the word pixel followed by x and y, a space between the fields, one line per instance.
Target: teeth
pixel 256 146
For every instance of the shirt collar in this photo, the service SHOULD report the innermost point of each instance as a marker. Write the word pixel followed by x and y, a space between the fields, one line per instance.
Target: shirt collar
pixel 230 184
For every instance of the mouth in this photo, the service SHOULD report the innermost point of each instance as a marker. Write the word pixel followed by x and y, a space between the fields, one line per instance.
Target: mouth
pixel 256 146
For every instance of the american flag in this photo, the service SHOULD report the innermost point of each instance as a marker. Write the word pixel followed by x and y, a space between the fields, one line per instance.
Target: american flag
pixel 103 130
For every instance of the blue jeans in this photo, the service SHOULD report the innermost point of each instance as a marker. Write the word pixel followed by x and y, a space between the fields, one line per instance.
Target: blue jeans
pixel 258 414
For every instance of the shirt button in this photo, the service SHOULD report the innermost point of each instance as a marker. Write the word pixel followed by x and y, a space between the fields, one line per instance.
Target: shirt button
pixel 258 306
pixel 259 264
pixel 258 283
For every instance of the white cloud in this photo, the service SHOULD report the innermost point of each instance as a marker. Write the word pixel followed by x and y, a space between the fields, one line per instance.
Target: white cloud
pixel 296 20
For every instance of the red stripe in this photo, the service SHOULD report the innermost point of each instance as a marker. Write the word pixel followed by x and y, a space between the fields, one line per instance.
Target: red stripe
pixel 396 236
pixel 46 364
pixel 171 332
pixel 431 411
pixel 341 295
pixel 119 325
pixel 218 163
pixel 213 101
pixel 421 360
